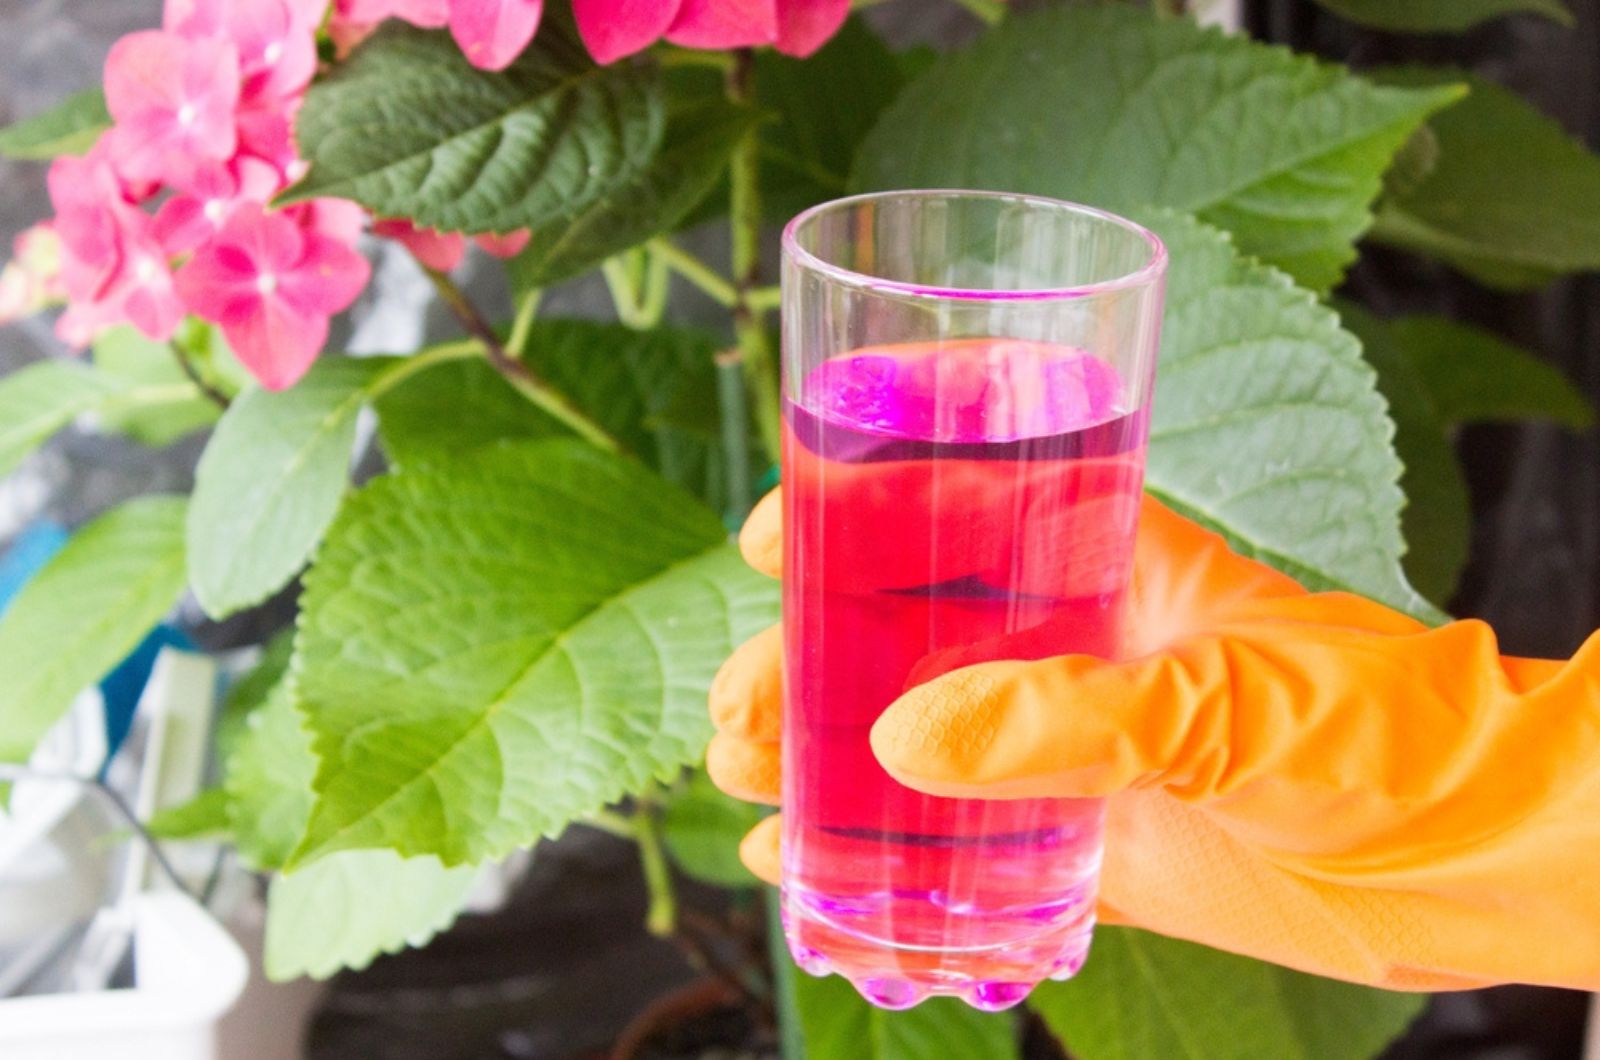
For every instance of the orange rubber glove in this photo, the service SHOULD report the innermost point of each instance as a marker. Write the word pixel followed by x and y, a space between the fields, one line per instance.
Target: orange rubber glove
pixel 1311 779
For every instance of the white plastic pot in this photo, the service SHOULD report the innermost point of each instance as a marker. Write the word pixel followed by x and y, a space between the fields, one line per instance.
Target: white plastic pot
pixel 188 972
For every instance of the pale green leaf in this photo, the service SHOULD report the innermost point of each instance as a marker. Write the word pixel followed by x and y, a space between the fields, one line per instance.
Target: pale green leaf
pixel 628 381
pixel 695 149
pixel 408 128
pixel 1117 108
pixel 270 480
pixel 83 612
pixel 346 909
pixel 268 778
pixel 1441 16
pixel 250 691
pixel 1268 425
pixel 1510 199
pixel 71 127
pixel 39 400
pixel 839 1025
pixel 1473 376
pixel 1437 519
pixel 1146 997
pixel 125 354
pixel 703 827
pixel 492 646
pixel 202 817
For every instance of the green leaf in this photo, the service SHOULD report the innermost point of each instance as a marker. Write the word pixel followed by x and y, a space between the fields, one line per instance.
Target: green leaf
pixel 823 107
pixel 268 779
pixel 71 127
pixel 408 128
pixel 204 816
pixel 1146 997
pixel 1510 198
pixel 1440 16
pixel 631 382
pixel 1114 107
pixel 1268 425
pixel 494 645
pixel 840 1025
pixel 695 149
pixel 83 612
pixel 1437 519
pixel 250 692
pixel 703 828
pixel 1473 376
pixel 269 482
pixel 123 353
pixel 346 909
pixel 39 400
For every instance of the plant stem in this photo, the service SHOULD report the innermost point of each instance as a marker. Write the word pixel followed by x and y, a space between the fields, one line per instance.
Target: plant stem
pixel 662 918
pixel 671 55
pixel 734 414
pixel 791 1043
pixel 610 822
pixel 696 272
pixel 406 367
pixel 766 299
pixel 211 393
pixel 744 177
pixel 522 324
pixel 517 373
pixel 991 11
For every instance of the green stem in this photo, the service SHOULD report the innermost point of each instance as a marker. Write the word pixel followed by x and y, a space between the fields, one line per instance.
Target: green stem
pixel 670 55
pixel 734 414
pixel 522 378
pixel 610 822
pixel 766 299
pixel 522 323
pixel 211 393
pixel 744 178
pixel 661 920
pixel 791 1039
pixel 991 11
pixel 696 272
pixel 406 367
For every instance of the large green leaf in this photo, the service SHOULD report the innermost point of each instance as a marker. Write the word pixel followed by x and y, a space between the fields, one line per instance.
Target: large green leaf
pixel 822 107
pixel 1114 107
pixel 493 645
pixel 699 139
pixel 839 1025
pixel 39 400
pixel 125 354
pixel 627 380
pixel 348 908
pixel 1441 16
pixel 1436 522
pixel 1472 375
pixel 1268 425
pixel 408 128
pixel 1510 198
pixel 71 127
pixel 270 480
pixel 1145 997
pixel 703 827
pixel 83 612
pixel 268 779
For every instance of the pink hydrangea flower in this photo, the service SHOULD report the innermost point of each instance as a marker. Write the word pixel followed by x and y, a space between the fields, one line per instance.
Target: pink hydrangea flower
pixel 272 285
pixel 612 29
pixel 491 33
pixel 504 246
pixel 173 102
pixel 443 251
pixel 31 280
pixel 276 40
pixel 193 215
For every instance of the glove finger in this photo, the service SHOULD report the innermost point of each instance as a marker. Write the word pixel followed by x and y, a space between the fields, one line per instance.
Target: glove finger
pixel 759 850
pixel 761 540
pixel 745 769
pixel 747 694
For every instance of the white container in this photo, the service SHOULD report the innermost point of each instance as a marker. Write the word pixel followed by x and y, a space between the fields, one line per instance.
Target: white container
pixel 188 972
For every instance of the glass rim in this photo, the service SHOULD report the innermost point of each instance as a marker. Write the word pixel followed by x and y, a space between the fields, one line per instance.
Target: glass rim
pixel 1154 266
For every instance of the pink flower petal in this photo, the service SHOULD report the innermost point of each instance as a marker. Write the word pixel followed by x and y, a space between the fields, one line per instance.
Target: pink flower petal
pixel 441 251
pixel 805 25
pixel 612 29
pixel 274 342
pixel 506 246
pixel 326 279
pixel 339 218
pixel 491 33
pixel 724 23
pixel 173 100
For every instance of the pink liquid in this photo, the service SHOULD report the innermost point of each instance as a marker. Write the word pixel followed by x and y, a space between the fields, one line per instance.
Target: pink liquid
pixel 946 505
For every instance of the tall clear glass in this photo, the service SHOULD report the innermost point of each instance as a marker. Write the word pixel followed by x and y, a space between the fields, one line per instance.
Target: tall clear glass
pixel 966 383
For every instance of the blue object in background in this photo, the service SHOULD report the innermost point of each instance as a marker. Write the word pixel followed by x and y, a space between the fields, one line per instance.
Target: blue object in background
pixel 122 687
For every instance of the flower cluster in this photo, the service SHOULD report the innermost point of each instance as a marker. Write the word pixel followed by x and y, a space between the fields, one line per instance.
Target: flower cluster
pixel 169 213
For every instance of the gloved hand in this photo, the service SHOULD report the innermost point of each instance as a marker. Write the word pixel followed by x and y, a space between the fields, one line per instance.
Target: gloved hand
pixel 1308 778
